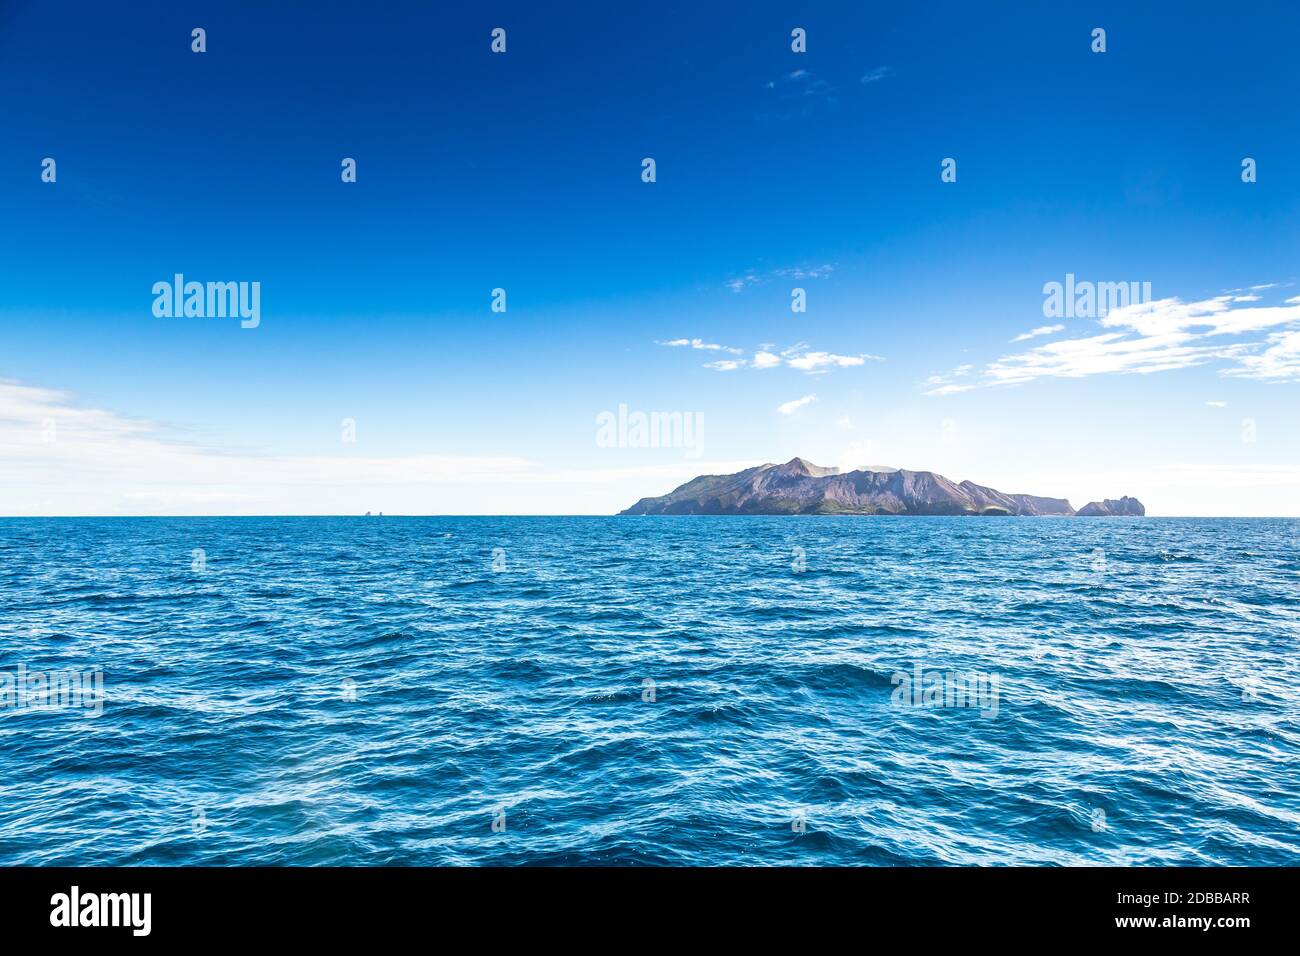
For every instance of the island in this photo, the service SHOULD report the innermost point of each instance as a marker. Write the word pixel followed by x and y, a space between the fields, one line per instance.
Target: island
pixel 1125 507
pixel 799 487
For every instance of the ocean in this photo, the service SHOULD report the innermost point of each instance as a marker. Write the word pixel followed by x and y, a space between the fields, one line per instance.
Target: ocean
pixel 669 690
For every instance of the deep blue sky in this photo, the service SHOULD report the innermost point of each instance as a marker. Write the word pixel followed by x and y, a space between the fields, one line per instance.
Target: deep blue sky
pixel 523 171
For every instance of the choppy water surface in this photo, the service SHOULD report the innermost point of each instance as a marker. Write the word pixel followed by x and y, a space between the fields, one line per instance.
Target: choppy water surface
pixel 366 691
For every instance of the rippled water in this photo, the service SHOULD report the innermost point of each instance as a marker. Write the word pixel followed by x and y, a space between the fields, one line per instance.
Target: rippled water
pixel 366 691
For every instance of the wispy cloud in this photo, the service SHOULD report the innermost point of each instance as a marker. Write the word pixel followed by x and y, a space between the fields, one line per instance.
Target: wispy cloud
pixel 949 389
pixel 754 277
pixel 806 272
pixel 61 457
pixel 1279 362
pixel 944 384
pixel 1111 352
pixel 803 84
pixel 820 88
pixel 55 447
pixel 798 92
pixel 819 362
pixel 799 357
pixel 802 93
pixel 701 345
pixel 1163 335
pixel 1258 341
pixel 1038 332
pixel 789 408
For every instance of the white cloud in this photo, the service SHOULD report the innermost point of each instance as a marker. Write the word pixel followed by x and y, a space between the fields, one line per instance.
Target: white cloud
pixel 1280 361
pixel 1164 335
pixel 789 408
pixel 796 356
pixel 701 345
pixel 753 277
pixel 806 272
pixel 948 389
pixel 797 93
pixel 1205 318
pixel 738 284
pixel 1098 354
pixel 819 361
pixel 874 76
pixel 943 384
pixel 58 457
pixel 1040 331
pixel 1213 404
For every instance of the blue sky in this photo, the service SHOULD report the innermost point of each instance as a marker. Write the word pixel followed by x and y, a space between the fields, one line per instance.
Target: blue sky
pixel 522 171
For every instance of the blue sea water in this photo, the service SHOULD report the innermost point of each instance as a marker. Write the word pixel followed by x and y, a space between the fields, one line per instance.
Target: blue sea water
pixel 380 691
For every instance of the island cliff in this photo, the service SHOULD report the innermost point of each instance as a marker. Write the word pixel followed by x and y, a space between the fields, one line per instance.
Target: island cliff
pixel 800 487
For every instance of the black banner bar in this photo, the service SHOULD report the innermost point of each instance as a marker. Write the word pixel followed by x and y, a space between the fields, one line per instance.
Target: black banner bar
pixel 336 906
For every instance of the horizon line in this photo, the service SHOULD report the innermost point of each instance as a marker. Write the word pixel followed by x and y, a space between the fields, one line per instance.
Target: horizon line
pixel 620 515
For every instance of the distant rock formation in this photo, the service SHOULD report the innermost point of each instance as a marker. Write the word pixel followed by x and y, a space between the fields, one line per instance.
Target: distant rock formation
pixel 1126 507
pixel 800 487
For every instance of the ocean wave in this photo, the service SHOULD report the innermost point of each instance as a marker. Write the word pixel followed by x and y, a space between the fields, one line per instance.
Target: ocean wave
pixel 655 693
